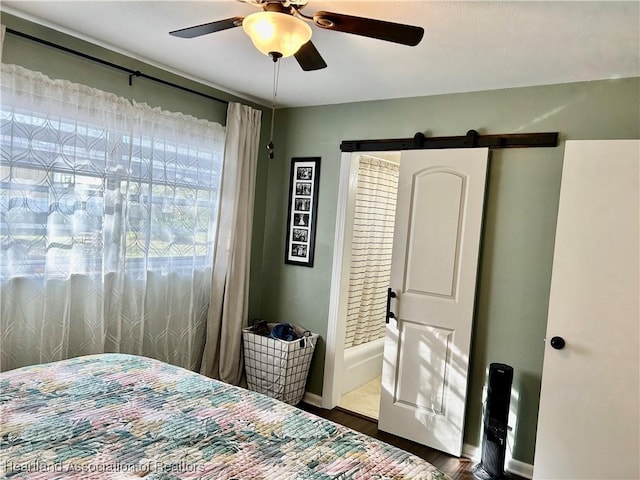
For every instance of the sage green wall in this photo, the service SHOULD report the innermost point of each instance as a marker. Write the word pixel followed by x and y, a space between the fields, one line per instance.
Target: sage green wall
pixel 521 210
pixel 61 65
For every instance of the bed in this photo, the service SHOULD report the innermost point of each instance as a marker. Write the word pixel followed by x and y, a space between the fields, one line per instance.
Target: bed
pixel 117 416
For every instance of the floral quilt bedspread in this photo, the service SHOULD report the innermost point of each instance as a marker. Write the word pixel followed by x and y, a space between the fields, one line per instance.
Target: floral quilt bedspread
pixel 119 416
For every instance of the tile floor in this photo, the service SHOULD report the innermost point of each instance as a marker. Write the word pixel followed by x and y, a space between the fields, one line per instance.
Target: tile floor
pixel 364 400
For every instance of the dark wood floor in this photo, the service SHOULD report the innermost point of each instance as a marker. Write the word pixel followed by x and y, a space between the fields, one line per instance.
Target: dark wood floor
pixel 456 468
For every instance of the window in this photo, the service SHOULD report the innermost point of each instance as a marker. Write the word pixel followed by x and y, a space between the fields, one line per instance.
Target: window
pixel 78 197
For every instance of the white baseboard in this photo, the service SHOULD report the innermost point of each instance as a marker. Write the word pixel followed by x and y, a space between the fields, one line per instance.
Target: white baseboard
pixel 471 452
pixel 520 468
pixel 512 466
pixel 312 399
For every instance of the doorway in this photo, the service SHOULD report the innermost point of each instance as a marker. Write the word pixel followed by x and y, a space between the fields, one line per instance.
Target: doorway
pixel 435 250
pixel 366 264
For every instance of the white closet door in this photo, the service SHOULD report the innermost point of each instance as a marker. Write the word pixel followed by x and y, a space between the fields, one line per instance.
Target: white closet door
pixel 589 422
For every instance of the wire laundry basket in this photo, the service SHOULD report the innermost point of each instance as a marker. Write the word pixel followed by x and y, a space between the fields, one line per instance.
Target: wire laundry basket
pixel 278 368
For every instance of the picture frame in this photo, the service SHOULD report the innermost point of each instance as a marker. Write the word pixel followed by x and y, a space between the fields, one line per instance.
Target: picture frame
pixel 302 213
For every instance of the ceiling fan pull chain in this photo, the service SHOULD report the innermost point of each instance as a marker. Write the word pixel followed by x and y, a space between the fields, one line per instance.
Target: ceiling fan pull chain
pixel 276 75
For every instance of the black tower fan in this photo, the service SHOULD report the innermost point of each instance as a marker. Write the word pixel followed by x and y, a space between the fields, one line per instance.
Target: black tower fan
pixel 496 416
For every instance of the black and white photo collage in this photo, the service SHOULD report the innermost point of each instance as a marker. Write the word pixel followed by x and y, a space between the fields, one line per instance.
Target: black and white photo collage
pixel 302 204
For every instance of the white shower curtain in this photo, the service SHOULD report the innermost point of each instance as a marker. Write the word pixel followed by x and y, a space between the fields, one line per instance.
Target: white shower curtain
pixel 108 214
pixel 371 250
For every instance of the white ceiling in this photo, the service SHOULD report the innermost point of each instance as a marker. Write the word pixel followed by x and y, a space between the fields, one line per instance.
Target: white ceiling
pixel 468 46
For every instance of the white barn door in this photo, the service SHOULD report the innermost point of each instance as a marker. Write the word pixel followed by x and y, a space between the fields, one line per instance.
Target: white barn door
pixel 589 419
pixel 434 268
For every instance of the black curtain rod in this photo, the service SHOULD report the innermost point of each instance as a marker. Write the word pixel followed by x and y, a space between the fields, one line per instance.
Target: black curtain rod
pixel 132 73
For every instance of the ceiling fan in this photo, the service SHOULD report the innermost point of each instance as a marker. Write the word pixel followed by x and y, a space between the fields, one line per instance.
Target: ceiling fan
pixel 280 30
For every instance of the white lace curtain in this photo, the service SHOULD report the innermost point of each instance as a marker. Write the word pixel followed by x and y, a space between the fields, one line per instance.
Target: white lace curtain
pixel 108 213
pixel 371 249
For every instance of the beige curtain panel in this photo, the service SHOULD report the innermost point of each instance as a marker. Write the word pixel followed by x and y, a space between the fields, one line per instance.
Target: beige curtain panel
pixel 228 309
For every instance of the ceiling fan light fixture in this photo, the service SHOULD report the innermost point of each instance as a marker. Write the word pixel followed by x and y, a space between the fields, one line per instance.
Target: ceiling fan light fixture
pixel 275 32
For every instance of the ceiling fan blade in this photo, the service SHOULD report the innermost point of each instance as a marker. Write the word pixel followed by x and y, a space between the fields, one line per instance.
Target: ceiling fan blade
pixel 368 27
pixel 205 28
pixel 309 58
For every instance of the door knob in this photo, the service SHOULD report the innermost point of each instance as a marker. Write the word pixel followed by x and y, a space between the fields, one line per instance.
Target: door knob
pixel 558 343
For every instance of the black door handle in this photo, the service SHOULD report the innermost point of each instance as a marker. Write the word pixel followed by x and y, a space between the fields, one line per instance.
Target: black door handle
pixel 558 343
pixel 390 294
